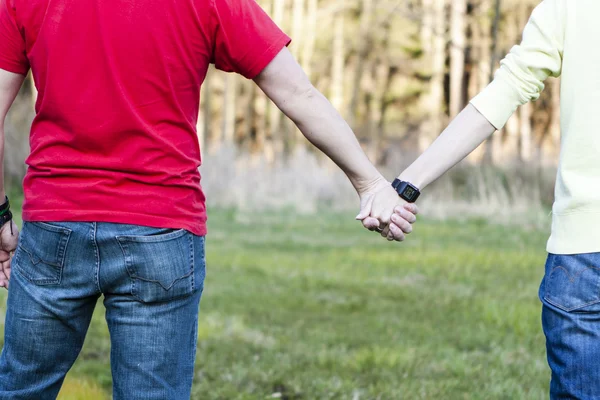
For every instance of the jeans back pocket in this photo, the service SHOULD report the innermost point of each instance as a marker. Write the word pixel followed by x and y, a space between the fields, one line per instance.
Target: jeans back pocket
pixel 40 254
pixel 161 266
pixel 572 282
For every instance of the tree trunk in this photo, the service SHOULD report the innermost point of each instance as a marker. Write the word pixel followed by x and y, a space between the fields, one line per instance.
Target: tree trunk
pixel 363 50
pixel 479 61
pixel 310 37
pixel 510 148
pixel 293 136
pixel 275 115
pixel 250 131
pixel 433 101
pixel 381 71
pixel 298 26
pixel 555 114
pixel 484 66
pixel 427 28
pixel 337 66
pixel 526 109
pixel 526 149
pixel 229 108
pixel 263 142
pixel 494 144
pixel 206 119
pixel 457 55
pixel 32 89
pixel 512 145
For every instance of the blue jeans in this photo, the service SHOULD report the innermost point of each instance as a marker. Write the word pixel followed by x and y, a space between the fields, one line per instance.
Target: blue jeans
pixel 570 293
pixel 152 281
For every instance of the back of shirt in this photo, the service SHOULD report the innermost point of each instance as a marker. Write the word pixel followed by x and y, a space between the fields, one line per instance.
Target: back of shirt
pixel 561 39
pixel 119 81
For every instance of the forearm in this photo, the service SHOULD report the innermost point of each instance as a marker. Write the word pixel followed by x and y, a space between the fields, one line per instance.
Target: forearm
pixel 9 87
pixel 286 84
pixel 519 80
pixel 464 134
pixel 323 126
pixel 2 188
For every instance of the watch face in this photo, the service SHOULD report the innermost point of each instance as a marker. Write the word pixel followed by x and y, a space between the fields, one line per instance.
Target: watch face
pixel 409 192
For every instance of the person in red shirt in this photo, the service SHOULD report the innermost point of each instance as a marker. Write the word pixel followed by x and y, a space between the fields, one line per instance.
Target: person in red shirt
pixel 113 204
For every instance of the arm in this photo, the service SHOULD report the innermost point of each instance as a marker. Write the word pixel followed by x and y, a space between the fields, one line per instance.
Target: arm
pixel 248 42
pixel 14 65
pixel 10 83
pixel 464 134
pixel 519 80
pixel 286 84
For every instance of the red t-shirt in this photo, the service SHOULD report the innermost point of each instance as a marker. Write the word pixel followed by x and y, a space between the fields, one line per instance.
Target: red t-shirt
pixel 114 138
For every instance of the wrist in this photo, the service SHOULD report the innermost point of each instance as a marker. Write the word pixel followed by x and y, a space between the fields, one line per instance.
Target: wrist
pixel 413 179
pixel 364 186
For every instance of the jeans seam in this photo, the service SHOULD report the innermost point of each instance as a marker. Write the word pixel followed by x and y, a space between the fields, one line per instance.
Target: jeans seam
pixel 571 309
pixel 548 274
pixel 97 254
pixel 131 272
pixel 194 347
pixel 193 260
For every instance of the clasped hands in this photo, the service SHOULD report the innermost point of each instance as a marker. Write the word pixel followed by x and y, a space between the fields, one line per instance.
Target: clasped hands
pixel 383 211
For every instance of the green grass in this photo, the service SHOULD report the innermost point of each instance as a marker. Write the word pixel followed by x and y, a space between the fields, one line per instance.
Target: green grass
pixel 316 308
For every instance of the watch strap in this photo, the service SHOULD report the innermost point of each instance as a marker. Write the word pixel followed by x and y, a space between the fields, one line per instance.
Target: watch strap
pixel 5 214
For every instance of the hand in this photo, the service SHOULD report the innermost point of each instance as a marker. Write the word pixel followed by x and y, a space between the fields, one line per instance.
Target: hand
pixel 378 203
pixel 402 220
pixel 8 244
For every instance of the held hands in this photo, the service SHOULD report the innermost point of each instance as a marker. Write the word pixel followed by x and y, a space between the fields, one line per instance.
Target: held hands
pixel 8 244
pixel 383 211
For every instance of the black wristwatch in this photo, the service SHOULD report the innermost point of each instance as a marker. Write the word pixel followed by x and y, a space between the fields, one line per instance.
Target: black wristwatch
pixel 5 214
pixel 407 191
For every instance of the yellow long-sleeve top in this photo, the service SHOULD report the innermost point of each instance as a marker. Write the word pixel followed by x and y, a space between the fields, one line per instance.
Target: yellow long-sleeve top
pixel 562 38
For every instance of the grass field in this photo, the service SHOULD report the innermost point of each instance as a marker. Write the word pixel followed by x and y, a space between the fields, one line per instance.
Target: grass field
pixel 299 307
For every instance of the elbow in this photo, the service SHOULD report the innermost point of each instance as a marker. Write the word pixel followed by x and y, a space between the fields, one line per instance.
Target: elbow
pixel 528 81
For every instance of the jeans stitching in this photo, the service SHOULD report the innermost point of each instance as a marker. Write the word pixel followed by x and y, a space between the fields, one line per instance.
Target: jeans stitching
pixel 569 309
pixel 124 242
pixel 167 288
pixel 128 267
pixel 548 296
pixel 548 275
pixel 194 347
pixel 154 238
pixel 572 278
pixel 36 260
pixel 61 254
pixel 93 232
pixel 192 259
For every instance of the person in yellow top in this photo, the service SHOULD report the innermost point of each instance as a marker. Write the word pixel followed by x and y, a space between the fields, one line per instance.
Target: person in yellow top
pixel 561 39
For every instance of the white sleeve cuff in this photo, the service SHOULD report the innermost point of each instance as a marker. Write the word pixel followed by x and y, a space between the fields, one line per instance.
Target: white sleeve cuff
pixel 497 102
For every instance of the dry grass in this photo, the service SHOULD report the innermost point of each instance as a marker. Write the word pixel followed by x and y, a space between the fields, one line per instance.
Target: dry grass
pixel 307 182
